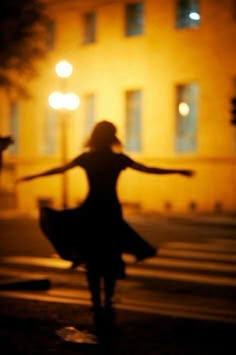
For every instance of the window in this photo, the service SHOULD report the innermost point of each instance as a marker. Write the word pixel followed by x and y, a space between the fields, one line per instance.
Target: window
pixel 50 37
pixel 133 120
pixel 234 86
pixel 186 117
pixel 49 132
pixel 89 24
pixel 134 19
pixel 14 126
pixel 188 13
pixel 89 113
pixel 233 111
pixel 234 9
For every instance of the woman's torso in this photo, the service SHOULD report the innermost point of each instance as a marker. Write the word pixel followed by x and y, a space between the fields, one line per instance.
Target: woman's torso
pixel 102 169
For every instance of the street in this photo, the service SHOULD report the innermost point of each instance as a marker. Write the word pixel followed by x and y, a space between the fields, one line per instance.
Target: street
pixel 192 276
pixel 22 235
pixel 180 302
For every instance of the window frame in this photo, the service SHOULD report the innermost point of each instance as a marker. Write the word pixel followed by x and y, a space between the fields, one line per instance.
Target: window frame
pixel 183 21
pixel 89 34
pixel 133 144
pixel 89 112
pixel 51 35
pixel 187 123
pixel 139 30
pixel 50 118
pixel 14 126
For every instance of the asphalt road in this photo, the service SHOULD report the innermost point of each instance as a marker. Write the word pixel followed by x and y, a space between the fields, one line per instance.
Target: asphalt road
pixel 30 328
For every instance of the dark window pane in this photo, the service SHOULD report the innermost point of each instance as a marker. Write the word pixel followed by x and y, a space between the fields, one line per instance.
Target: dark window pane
pixel 89 22
pixel 188 13
pixel 50 39
pixel 134 19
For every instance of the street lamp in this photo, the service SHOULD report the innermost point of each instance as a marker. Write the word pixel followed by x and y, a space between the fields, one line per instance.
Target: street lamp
pixel 64 69
pixel 64 102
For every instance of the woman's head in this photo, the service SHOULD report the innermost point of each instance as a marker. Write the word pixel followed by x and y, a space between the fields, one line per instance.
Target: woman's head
pixel 103 136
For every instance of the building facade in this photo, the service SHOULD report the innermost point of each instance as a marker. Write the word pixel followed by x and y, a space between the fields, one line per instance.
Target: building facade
pixel 164 72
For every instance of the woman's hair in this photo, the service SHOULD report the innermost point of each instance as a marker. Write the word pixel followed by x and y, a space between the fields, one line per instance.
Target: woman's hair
pixel 103 136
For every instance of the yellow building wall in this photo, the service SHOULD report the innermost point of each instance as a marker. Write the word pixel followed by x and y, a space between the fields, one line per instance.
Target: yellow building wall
pixel 155 62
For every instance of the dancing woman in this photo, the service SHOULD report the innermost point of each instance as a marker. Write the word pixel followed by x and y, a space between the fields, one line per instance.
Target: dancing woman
pixel 95 233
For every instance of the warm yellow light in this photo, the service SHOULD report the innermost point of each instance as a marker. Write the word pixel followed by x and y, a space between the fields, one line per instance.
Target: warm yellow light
pixel 64 69
pixel 56 100
pixel 184 109
pixel 71 101
pixel 194 16
pixel 59 101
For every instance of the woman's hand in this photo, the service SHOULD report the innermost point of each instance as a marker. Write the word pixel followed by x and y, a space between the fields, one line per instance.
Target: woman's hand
pixel 186 172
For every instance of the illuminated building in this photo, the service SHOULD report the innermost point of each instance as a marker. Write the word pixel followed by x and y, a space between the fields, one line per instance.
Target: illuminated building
pixel 164 72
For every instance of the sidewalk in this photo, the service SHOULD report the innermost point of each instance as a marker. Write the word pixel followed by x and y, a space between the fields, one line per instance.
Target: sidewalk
pixel 29 328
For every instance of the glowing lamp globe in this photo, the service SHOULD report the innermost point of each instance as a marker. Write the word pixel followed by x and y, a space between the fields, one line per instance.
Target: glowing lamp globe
pixel 64 69
pixel 56 100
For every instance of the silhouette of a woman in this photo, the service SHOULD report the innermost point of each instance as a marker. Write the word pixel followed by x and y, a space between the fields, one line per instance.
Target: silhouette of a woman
pixel 95 233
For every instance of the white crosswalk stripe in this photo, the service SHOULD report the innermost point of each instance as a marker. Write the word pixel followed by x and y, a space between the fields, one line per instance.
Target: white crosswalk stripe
pixel 226 246
pixel 196 254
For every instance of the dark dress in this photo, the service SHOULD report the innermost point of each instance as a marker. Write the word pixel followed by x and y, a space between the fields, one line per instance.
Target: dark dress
pixel 95 232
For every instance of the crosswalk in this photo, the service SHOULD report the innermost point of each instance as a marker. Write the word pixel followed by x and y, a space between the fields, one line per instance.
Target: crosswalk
pixel 201 274
pixel 212 261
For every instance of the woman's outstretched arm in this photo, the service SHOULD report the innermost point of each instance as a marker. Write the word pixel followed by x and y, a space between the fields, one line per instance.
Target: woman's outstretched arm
pixel 154 170
pixel 53 171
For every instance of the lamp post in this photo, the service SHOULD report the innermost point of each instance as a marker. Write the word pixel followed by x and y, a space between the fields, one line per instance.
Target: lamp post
pixel 64 102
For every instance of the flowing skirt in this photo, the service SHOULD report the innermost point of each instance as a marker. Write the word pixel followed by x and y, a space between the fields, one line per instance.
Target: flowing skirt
pixel 83 234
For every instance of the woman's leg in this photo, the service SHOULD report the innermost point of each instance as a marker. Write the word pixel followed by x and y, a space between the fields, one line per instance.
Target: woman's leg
pixel 115 269
pixel 94 283
pixel 109 312
pixel 109 289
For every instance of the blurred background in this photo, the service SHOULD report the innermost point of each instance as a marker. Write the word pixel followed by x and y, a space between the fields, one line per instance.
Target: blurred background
pixel 163 71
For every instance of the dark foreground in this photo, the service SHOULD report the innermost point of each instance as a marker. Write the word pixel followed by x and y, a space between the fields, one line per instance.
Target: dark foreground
pixel 29 327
